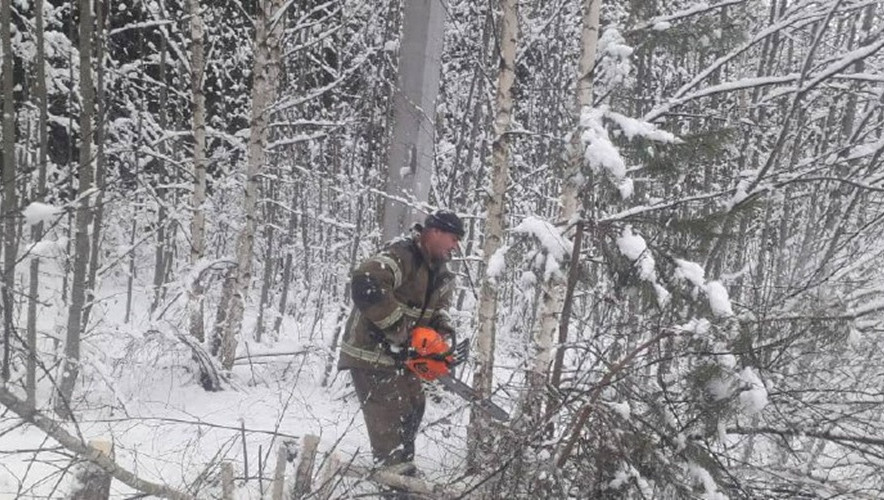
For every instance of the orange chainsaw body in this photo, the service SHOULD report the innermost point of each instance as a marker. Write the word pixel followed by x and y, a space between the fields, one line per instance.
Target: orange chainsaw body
pixel 432 355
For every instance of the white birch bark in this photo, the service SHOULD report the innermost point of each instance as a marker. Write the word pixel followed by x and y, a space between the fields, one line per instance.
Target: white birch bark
pixel 553 289
pixel 494 222
pixel 410 156
pixel 8 178
pixel 266 75
pixel 71 366
pixel 198 222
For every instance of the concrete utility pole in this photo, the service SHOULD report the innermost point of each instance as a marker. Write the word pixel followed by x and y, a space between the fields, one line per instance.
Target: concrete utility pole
pixel 410 156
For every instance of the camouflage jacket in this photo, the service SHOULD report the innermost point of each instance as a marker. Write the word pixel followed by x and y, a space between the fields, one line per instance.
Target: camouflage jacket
pixel 394 291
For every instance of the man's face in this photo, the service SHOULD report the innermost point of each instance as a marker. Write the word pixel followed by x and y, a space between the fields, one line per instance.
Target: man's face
pixel 439 244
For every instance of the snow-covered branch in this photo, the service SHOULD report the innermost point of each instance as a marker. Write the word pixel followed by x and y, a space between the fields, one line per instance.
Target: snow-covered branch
pixel 700 8
pixel 805 17
pixel 318 92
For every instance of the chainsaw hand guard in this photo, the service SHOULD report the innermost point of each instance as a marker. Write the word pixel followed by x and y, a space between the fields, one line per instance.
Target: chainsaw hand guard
pixel 461 352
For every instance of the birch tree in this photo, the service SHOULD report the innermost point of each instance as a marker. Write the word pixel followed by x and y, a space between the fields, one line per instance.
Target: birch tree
pixel 553 289
pixel 228 322
pixel 495 205
pixel 71 365
pixel 765 332
pixel 198 199
pixel 410 154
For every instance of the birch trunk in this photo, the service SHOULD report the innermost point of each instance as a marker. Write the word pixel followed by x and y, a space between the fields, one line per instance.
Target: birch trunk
pixel 37 230
pixel 567 307
pixel 160 250
pixel 305 234
pixel 288 244
pixel 269 260
pixel 479 119
pixel 69 159
pixel 130 277
pixel 81 238
pixel 410 157
pixel 847 125
pixel 8 182
pixel 97 213
pixel 136 161
pixel 494 222
pixel 266 71
pixel 553 290
pixel 198 222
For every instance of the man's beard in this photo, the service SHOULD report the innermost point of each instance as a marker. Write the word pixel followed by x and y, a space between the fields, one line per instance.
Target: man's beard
pixel 442 258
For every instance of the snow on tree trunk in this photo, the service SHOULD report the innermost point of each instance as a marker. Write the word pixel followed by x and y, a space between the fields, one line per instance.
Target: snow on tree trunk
pixel 71 366
pixel 553 288
pixel 266 75
pixel 494 221
pixel 40 189
pixel 198 222
pixel 410 156
pixel 8 180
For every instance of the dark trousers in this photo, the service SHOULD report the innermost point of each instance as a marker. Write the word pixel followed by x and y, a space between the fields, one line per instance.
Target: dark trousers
pixel 393 406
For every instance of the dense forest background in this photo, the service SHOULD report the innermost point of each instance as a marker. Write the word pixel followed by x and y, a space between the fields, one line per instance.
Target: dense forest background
pixel 671 274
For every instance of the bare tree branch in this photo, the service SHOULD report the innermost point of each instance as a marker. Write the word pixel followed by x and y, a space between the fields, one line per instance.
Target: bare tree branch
pixel 829 436
pixel 55 430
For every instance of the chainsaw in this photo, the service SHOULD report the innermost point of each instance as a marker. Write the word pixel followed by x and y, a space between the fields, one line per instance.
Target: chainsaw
pixel 431 359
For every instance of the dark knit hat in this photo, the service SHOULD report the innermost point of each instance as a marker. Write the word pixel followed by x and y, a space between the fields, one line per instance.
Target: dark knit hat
pixel 445 220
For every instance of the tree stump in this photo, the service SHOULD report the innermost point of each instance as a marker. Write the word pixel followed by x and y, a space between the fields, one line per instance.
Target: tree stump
pixel 304 473
pixel 332 468
pixel 91 482
pixel 283 454
pixel 227 481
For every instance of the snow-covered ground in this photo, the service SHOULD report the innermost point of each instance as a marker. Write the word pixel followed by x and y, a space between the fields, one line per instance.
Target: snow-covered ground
pixel 138 389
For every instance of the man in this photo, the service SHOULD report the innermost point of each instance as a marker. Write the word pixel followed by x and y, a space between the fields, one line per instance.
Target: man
pixel 406 285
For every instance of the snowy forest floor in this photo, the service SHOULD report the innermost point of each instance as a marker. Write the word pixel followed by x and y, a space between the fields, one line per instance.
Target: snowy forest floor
pixel 138 389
